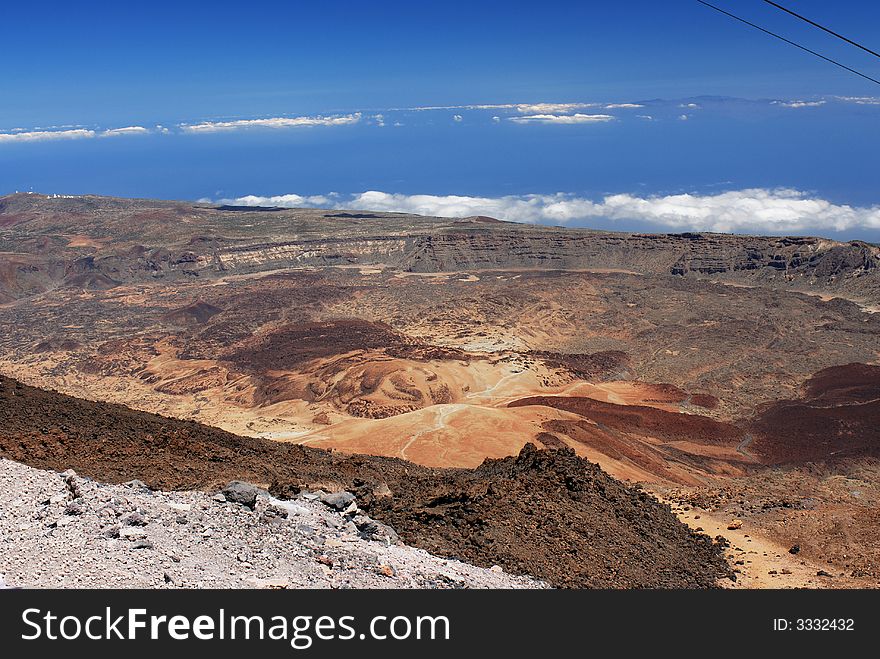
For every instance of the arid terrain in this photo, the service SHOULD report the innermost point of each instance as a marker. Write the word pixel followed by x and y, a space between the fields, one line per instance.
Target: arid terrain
pixel 734 377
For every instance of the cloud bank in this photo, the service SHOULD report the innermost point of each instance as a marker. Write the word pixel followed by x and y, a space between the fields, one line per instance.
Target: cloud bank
pixel 69 134
pixel 799 104
pixel 562 118
pixel 537 113
pixel 551 108
pixel 44 135
pixel 284 200
pixel 274 122
pixel 754 210
pixel 40 135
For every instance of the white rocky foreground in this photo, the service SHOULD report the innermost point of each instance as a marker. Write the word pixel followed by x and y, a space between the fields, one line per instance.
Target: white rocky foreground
pixel 62 530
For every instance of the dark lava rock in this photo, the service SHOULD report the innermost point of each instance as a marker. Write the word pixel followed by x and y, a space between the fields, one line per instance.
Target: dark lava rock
pixel 338 500
pixel 553 515
pixel 370 529
pixel 134 519
pixel 274 514
pixel 74 508
pixel 795 549
pixel 241 493
pixel 138 486
pixel 111 532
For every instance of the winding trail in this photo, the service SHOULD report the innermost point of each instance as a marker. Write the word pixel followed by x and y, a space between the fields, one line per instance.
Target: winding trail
pixel 487 392
pixel 439 424
pixel 744 445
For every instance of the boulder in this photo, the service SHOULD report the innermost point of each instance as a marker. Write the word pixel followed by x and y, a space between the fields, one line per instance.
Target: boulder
pixel 241 493
pixel 74 508
pixel 138 486
pixel 370 529
pixel 338 500
pixel 134 519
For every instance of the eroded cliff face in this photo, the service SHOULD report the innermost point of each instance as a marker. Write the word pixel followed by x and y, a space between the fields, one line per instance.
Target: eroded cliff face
pixel 381 249
pixel 789 259
pixel 811 257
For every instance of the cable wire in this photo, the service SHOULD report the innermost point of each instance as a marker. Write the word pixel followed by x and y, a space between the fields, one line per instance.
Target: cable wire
pixel 822 27
pixel 789 41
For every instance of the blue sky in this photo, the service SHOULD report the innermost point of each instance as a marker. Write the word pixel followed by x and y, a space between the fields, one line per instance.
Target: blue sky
pixel 337 89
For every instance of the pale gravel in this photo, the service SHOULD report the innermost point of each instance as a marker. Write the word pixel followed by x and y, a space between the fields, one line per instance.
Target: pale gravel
pixel 200 542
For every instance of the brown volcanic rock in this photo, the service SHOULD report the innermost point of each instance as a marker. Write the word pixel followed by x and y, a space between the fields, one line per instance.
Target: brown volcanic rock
pixel 847 384
pixel 838 418
pixel 293 345
pixel 553 515
pixel 57 345
pixel 605 365
pixel 549 440
pixel 706 401
pixel 197 313
pixel 549 514
pixel 642 420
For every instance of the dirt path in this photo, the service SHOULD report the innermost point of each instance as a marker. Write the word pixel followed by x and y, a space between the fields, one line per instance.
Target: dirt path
pixel 442 413
pixel 761 562
pixel 743 446
pixel 488 392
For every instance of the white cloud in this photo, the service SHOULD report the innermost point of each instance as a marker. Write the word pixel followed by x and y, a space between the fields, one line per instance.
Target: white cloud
pixel 43 135
pixel 514 208
pixel 551 108
pixel 752 210
pixel 755 210
pixel 127 130
pixel 427 108
pixel 285 200
pixel 496 106
pixel 646 117
pixel 562 118
pixel 523 108
pixel 798 104
pixel 496 119
pixel 612 106
pixel 683 117
pixel 274 122
pixel 692 106
pixel 457 118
